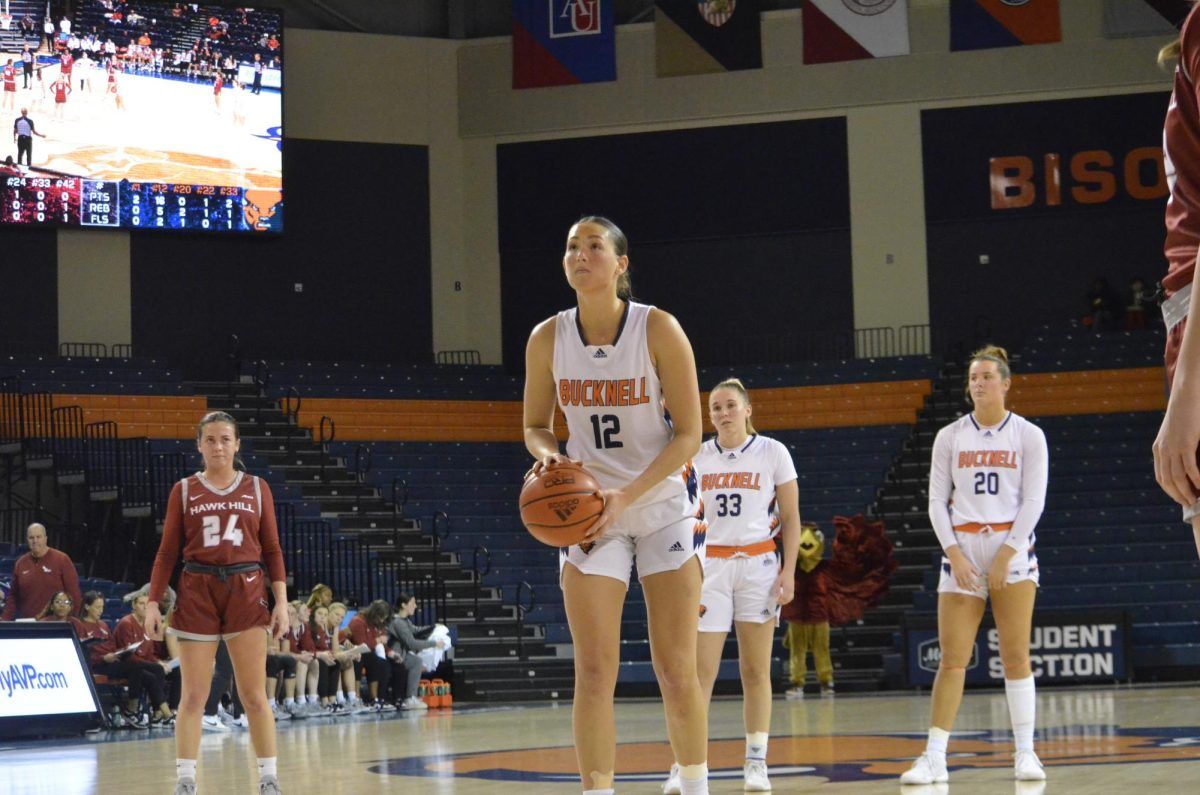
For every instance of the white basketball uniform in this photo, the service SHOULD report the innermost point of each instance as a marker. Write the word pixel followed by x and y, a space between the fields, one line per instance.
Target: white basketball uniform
pixel 612 400
pixel 738 491
pixel 986 474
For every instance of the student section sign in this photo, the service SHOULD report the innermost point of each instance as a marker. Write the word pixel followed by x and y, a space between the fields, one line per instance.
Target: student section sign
pixel 1066 646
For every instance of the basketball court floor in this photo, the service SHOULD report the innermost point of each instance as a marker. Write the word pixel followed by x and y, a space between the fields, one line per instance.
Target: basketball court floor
pixel 1105 740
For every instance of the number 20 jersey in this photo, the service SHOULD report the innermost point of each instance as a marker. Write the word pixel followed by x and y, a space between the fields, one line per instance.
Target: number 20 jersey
pixel 612 400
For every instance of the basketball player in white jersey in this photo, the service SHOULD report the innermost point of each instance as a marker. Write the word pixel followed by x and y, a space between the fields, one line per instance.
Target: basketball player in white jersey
pixel 748 485
pixel 987 488
pixel 612 366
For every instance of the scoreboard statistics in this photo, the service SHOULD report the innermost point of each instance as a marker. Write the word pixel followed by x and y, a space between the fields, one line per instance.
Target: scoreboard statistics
pixel 73 201
pixel 164 117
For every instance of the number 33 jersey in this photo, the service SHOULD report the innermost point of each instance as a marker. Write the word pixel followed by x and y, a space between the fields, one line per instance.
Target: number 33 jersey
pixel 738 489
pixel 612 400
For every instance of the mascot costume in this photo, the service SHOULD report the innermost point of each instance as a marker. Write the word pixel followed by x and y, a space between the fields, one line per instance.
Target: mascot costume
pixel 833 592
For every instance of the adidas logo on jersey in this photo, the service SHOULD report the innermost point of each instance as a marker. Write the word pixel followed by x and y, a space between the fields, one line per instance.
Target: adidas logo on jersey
pixel 599 354
pixel 676 547
pixel 732 456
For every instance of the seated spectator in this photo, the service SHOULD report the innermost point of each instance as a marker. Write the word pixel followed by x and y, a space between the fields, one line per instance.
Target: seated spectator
pixel 10 168
pixel 130 630
pixel 402 633
pixel 281 664
pixel 1141 301
pixel 37 575
pixel 59 608
pixel 385 679
pixel 100 644
pixel 316 641
pixel 1101 306
pixel 321 595
pixel 347 655
pixel 306 703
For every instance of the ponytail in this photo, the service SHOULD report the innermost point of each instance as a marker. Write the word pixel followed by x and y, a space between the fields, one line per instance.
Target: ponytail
pixel 737 386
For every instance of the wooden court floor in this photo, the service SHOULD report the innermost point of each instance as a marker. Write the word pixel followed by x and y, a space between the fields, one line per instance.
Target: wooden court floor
pixel 1110 740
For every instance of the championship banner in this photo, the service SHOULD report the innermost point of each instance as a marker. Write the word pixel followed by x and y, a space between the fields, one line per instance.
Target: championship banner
pixel 981 24
pixel 694 37
pixel 1127 18
pixel 563 42
pixel 851 30
pixel 1066 646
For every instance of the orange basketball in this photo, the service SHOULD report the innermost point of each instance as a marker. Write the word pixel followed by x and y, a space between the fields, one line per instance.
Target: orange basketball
pixel 560 505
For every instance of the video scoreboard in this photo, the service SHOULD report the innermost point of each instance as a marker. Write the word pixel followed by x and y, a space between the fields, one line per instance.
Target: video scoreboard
pixel 75 201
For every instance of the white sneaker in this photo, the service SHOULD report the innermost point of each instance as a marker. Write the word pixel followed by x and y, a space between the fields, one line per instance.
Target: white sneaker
pixel 280 713
pixel 926 771
pixel 242 722
pixel 296 710
pixel 795 693
pixel 1027 767
pixel 414 703
pixel 185 786
pixel 827 690
pixel 211 723
pixel 755 774
pixel 672 786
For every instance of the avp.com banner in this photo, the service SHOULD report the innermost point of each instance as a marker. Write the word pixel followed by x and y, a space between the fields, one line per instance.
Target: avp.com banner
pixel 42 676
pixel 1065 646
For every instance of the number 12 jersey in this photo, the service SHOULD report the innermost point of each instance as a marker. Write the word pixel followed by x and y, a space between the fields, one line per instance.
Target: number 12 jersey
pixel 612 400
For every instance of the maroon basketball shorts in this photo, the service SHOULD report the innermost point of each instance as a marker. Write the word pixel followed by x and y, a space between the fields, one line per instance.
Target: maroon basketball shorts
pixel 210 608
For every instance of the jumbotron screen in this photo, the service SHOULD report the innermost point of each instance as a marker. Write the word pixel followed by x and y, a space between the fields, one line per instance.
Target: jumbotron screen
pixel 145 115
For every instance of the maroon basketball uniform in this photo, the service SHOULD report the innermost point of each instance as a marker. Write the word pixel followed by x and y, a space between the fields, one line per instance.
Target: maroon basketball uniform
pixel 1181 141
pixel 219 527
pixel 60 90
pixel 313 641
pixel 66 64
pixel 98 632
pixel 217 86
pixel 10 79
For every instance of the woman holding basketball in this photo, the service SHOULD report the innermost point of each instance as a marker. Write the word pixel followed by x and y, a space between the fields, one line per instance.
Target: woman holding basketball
pixel 748 484
pixel 612 366
pixel 991 464
pixel 223 520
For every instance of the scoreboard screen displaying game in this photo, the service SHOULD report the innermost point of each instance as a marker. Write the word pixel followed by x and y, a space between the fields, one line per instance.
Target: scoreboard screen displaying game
pixel 162 116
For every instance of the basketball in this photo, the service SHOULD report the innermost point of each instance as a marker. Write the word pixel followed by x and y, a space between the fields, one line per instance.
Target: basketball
pixel 559 506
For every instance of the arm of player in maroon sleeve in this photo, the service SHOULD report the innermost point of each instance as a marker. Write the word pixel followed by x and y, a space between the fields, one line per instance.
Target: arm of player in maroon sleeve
pixel 70 579
pixel 268 536
pixel 169 547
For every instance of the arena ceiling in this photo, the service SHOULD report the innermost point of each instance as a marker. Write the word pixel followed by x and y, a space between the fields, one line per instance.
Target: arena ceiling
pixel 441 19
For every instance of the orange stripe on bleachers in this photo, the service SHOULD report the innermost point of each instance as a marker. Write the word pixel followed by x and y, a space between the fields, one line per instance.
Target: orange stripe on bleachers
pixel 1089 392
pixel 830 406
pixel 156 416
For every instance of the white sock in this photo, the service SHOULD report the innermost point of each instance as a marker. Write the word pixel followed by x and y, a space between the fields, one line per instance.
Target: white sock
pixel 271 703
pixel 937 742
pixel 353 697
pixel 598 792
pixel 756 745
pixel 185 768
pixel 266 766
pixel 341 697
pixel 693 779
pixel 289 702
pixel 1022 707
pixel 312 699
